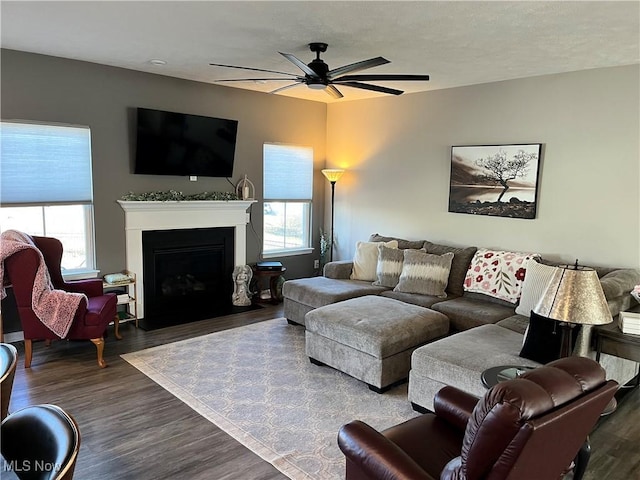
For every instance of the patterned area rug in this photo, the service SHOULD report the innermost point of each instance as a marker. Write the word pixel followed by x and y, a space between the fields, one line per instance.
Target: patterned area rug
pixel 257 384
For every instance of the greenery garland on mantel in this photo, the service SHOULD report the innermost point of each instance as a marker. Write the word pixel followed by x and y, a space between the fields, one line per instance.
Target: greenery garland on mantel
pixel 173 196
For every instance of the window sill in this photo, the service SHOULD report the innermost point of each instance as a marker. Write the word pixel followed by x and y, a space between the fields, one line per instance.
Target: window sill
pixel 287 253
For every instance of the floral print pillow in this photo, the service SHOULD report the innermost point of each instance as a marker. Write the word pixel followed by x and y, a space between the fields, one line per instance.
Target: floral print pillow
pixel 497 274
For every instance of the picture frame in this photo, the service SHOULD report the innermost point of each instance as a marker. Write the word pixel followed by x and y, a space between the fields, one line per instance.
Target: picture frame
pixel 495 180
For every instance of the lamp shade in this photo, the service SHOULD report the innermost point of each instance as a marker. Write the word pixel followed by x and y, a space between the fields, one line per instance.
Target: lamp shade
pixel 332 174
pixel 575 295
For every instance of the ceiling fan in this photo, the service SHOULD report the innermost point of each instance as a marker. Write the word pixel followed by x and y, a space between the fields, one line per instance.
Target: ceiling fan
pixel 318 76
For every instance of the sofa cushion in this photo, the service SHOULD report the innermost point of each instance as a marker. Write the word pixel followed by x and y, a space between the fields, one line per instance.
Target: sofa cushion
pixel 460 359
pixel 319 291
pixel 619 282
pixel 497 273
pixel 515 323
pixel 365 260
pixel 425 273
pixel 402 243
pixel 535 283
pixel 459 266
pixel 466 312
pixel 389 268
pixel 413 298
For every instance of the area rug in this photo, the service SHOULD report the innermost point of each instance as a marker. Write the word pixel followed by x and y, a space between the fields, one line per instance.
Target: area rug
pixel 256 384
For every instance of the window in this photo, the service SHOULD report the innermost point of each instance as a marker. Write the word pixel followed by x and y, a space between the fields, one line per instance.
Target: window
pixel 288 191
pixel 46 189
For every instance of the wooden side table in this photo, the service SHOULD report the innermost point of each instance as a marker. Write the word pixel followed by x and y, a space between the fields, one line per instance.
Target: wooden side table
pixel 611 340
pixel 272 276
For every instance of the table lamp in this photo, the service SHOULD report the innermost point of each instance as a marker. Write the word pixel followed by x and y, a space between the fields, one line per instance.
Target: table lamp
pixel 574 296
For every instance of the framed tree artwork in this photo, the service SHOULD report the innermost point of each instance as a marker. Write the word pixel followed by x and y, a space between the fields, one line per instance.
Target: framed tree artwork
pixel 496 180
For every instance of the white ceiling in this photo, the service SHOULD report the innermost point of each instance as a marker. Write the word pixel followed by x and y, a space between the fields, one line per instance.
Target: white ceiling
pixel 456 43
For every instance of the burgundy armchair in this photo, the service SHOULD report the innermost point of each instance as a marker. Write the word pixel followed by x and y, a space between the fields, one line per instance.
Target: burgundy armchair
pixel 92 315
pixel 530 428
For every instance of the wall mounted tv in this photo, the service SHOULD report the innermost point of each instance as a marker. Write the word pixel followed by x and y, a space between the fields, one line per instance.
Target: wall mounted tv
pixel 171 143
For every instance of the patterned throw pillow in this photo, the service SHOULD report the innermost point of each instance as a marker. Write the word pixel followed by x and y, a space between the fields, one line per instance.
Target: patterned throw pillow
pixel 461 260
pixel 497 273
pixel 389 267
pixel 424 273
pixel 365 260
pixel 535 284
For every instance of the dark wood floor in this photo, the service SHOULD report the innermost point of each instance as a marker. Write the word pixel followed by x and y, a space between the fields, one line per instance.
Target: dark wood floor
pixel 134 429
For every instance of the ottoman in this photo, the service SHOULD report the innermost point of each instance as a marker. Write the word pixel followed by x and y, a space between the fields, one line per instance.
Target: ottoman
pixel 371 338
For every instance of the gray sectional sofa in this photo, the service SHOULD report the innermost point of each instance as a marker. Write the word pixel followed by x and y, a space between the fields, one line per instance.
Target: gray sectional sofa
pixel 483 331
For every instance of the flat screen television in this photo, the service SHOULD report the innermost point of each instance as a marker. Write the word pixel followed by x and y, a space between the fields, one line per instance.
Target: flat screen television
pixel 171 143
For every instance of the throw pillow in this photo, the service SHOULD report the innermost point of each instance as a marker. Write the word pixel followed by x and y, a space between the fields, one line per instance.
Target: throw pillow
pixel 390 261
pixel 535 284
pixel 365 260
pixel 424 273
pixel 497 274
pixel 543 339
pixel 459 265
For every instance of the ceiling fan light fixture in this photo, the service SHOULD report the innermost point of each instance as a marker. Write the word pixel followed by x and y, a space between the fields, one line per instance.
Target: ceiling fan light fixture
pixel 318 76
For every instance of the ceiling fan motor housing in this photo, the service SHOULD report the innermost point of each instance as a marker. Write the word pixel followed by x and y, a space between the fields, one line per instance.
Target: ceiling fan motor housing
pixel 321 70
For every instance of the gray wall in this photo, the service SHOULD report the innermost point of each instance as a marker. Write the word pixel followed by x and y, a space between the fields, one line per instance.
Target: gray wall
pixel 397 152
pixel 42 88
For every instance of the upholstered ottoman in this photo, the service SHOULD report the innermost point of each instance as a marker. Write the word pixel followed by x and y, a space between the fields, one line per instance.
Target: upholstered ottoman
pixel 371 338
pixel 303 295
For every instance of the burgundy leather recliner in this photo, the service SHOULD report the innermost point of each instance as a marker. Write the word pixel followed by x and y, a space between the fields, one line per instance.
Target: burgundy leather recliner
pixel 530 428
pixel 91 318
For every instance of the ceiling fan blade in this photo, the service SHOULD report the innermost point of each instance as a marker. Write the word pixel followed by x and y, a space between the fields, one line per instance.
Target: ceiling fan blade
pixel 333 91
pixel 354 67
pixel 249 68
pixel 300 64
pixel 258 79
pixel 375 88
pixel 389 77
pixel 285 87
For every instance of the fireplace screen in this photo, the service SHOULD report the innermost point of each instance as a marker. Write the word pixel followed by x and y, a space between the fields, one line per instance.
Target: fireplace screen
pixel 187 273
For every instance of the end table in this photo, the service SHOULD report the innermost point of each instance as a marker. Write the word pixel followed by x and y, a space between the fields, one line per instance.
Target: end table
pixel 272 276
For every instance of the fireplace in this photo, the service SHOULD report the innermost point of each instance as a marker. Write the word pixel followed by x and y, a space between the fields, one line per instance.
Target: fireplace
pixel 145 217
pixel 187 274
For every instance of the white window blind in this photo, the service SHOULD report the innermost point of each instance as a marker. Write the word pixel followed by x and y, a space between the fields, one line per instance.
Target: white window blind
pixel 45 164
pixel 288 172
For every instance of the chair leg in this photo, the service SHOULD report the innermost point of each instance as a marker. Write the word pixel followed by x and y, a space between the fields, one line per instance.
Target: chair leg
pixel 582 460
pixel 28 353
pixel 116 327
pixel 99 343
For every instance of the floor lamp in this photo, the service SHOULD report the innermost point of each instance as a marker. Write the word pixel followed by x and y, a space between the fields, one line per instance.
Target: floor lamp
pixel 333 175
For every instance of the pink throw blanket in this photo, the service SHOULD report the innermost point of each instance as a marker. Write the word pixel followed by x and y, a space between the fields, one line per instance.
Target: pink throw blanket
pixel 54 308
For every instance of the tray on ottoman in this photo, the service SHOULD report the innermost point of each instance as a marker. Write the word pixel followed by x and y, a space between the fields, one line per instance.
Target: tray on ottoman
pixel 371 338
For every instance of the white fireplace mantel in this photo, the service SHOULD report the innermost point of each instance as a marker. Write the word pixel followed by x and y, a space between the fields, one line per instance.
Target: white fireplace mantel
pixel 142 216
